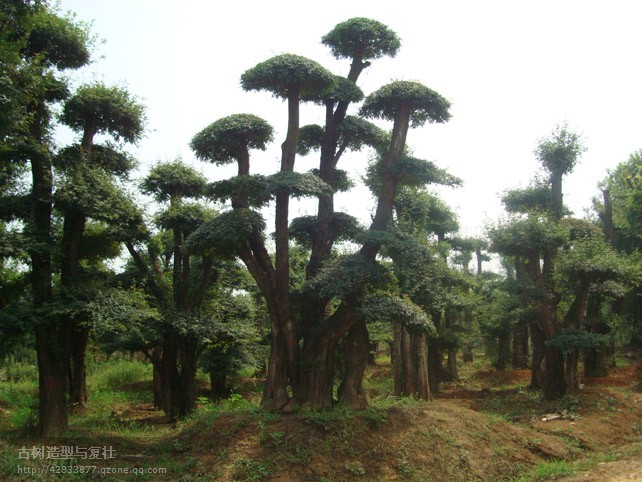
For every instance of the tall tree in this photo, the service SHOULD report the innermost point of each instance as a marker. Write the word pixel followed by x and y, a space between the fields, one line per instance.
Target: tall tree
pixel 93 109
pixel 36 46
pixel 298 342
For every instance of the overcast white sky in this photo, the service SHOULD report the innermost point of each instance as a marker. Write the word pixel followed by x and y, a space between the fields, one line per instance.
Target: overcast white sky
pixel 511 69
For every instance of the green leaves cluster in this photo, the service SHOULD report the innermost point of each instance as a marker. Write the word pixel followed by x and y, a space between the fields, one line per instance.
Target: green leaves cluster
pixel 226 139
pixel 285 74
pixel 425 104
pixel 361 38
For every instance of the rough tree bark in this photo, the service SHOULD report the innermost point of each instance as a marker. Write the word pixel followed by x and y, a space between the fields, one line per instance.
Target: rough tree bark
pixel 351 392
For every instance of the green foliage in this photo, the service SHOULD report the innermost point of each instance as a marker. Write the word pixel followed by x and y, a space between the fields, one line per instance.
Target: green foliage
pixel 537 198
pixel 286 74
pixel 105 156
pixel 255 188
pixel 422 211
pixel 382 306
pixel 592 260
pixel 347 275
pixel 105 110
pixel 355 132
pixel 340 90
pixel 299 184
pixel 95 193
pixel 170 180
pixel 185 217
pixel 560 151
pixel 579 340
pixel 226 139
pixel 410 172
pixel 58 41
pixel 425 104
pixel 343 227
pixel 310 139
pixel 362 39
pixel 123 319
pixel 341 181
pixel 523 236
pixel 225 231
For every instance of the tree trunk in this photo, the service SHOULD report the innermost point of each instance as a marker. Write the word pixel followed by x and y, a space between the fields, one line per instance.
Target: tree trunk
pixel 539 348
pixel 406 363
pixel 52 382
pixel 452 364
pixel 314 389
pixel 434 356
pixel 275 395
pixel 188 390
pixel 420 367
pixel 356 345
pixel 170 377
pixel 595 363
pixel 571 373
pixel 157 382
pixel 372 352
pixel 78 387
pixel 397 360
pixel 218 383
pixel 503 351
pixel 520 346
pixel 553 373
pixel 52 374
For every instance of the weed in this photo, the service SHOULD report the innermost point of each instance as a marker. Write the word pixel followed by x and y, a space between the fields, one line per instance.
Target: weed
pixel 299 455
pixel 355 468
pixel 248 469
pixel 275 438
pixel 568 402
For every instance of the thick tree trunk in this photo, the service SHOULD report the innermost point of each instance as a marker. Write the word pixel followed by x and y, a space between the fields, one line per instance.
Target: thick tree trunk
pixel 553 373
pixel 520 346
pixel 452 364
pixel 356 345
pixel 52 382
pixel 314 389
pixel 539 348
pixel 275 395
pixel 52 373
pixel 170 377
pixel 571 372
pixel 595 363
pixel 218 383
pixel 503 351
pixel 188 389
pixel 420 367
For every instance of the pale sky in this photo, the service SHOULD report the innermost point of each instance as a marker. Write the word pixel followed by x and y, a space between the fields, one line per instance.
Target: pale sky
pixel 511 69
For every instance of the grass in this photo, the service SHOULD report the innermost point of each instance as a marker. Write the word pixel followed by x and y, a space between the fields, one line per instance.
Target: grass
pixel 557 468
pixel 235 438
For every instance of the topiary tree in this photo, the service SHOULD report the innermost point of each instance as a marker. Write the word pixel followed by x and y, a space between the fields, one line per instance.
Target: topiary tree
pixel 297 79
pixel 93 109
pixel 36 46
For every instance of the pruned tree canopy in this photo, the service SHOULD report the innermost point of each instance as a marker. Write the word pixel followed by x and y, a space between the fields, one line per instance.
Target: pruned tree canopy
pixel 224 140
pixel 286 74
pixel 425 104
pixel 363 39
pixel 105 110
pixel 167 180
